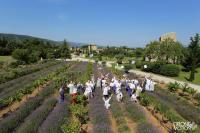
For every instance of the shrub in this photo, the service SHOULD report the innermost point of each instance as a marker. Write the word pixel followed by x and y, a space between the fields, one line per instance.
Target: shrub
pixel 138 64
pixel 156 67
pixel 189 90
pixel 73 126
pixel 21 55
pixel 35 119
pixel 173 86
pixel 170 70
pixel 145 101
pixel 149 66
pixel 197 96
pixel 80 112
pixel 81 99
pixel 127 67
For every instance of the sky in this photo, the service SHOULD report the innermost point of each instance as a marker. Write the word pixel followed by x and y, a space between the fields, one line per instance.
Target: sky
pixel 132 23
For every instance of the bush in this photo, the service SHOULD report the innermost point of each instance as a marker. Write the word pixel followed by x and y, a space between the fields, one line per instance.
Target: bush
pixel 149 65
pixel 197 97
pixel 189 90
pixel 127 67
pixel 170 70
pixel 73 126
pixel 145 101
pixel 80 112
pixel 173 86
pixel 21 55
pixel 156 67
pixel 138 64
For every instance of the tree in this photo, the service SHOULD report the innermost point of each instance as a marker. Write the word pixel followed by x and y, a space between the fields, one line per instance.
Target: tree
pixel 64 50
pixel 119 58
pixel 139 52
pixel 21 55
pixel 192 57
pixel 151 50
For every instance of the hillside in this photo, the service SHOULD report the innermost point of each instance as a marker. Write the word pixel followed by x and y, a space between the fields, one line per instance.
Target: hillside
pixel 21 38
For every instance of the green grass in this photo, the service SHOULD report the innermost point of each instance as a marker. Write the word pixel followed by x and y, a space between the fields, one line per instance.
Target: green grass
pixel 183 75
pixel 7 59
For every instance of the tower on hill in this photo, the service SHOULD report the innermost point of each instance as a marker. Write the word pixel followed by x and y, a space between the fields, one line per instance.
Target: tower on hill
pixel 171 35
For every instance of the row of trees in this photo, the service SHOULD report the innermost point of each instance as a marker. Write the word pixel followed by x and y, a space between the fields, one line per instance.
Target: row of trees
pixel 31 50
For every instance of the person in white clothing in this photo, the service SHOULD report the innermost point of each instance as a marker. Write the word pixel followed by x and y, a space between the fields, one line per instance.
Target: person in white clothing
pixel 106 89
pixel 147 85
pixel 152 84
pixel 70 86
pixel 119 96
pixel 134 97
pixel 98 83
pixel 106 102
pixel 88 91
pixel 103 81
pixel 136 82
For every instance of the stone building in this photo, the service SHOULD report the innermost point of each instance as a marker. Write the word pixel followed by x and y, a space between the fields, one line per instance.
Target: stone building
pixel 171 35
pixel 92 47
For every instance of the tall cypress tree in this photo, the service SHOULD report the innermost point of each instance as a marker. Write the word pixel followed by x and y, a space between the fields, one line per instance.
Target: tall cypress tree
pixel 192 60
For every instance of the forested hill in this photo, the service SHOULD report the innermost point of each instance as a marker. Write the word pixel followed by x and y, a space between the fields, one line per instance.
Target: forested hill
pixel 22 38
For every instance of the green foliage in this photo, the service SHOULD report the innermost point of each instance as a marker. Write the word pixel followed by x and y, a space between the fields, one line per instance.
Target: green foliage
pixel 34 121
pixel 8 124
pixel 82 100
pixel 156 67
pixel 145 101
pixel 16 118
pixel 197 97
pixel 173 87
pixel 192 59
pixel 119 58
pixel 17 96
pixel 167 50
pixel 164 109
pixel 139 52
pixel 170 70
pixel 119 116
pixel 127 67
pixel 189 90
pixel 72 127
pixel 80 112
pixel 64 51
pixel 138 64
pixel 21 55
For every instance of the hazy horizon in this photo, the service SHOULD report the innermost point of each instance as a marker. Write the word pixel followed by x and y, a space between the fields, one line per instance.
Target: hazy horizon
pixel 131 23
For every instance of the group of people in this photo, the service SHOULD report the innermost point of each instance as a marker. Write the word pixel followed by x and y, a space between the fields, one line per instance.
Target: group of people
pixel 133 88
pixel 77 88
pixel 109 86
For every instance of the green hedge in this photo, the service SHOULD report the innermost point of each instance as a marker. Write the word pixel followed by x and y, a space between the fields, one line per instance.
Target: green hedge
pixel 170 70
pixel 159 68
